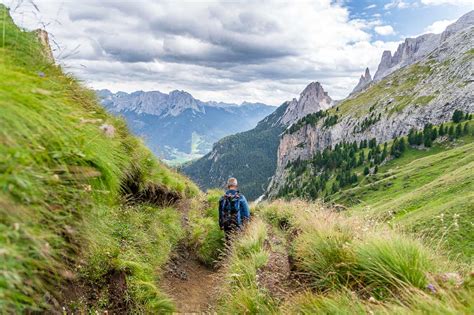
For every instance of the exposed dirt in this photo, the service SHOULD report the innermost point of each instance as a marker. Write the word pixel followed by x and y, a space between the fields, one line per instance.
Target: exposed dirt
pixel 190 284
pixel 277 275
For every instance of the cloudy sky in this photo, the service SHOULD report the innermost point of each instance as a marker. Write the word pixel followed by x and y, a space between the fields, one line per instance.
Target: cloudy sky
pixel 231 51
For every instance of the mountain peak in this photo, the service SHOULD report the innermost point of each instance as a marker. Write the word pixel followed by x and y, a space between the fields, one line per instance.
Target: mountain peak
pixel 312 99
pixel 364 81
pixel 415 49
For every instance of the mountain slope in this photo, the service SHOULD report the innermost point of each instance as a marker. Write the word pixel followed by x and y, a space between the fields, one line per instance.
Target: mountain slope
pixel 251 156
pixel 428 91
pixel 178 127
pixel 87 214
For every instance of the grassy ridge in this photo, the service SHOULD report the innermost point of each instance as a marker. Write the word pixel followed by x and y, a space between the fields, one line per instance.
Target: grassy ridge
pixel 68 171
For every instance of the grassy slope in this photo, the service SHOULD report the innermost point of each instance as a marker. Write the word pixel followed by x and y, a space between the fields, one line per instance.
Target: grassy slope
pixel 63 219
pixel 349 266
pixel 429 191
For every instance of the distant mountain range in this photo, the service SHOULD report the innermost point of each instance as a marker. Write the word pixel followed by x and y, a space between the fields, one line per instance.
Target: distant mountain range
pixel 176 126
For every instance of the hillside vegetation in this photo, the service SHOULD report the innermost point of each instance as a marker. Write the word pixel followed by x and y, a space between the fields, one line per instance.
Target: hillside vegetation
pixel 86 215
pixel 338 264
pixel 251 156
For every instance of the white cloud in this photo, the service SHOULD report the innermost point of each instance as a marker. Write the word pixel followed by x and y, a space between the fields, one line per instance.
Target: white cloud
pixel 384 30
pixel 438 26
pixel 399 4
pixel 450 2
pixel 219 51
pixel 372 6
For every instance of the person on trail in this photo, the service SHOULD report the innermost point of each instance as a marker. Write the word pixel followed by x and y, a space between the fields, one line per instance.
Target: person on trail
pixel 234 209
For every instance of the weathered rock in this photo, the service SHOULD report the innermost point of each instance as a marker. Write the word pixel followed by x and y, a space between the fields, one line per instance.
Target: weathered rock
pixel 312 99
pixel 364 81
pixel 426 92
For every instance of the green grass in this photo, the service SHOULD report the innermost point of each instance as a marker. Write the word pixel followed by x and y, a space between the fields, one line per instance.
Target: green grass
pixel 424 191
pixel 205 235
pixel 356 265
pixel 242 293
pixel 65 219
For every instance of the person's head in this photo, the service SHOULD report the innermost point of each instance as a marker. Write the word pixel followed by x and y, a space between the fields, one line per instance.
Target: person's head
pixel 232 183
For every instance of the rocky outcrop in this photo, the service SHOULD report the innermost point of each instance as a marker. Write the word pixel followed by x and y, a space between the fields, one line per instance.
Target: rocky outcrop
pixel 364 81
pixel 428 91
pixel 312 99
pixel 413 50
pixel 43 38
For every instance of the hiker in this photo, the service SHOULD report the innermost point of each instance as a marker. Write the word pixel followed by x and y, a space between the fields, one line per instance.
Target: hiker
pixel 234 209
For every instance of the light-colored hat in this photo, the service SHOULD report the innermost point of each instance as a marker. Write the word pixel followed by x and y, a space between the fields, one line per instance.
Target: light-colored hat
pixel 232 182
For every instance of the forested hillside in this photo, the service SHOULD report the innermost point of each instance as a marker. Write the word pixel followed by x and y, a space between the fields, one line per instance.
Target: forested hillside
pixel 249 155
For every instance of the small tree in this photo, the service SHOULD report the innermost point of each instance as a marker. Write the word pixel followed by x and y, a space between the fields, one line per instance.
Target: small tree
pixel 458 115
pixel 366 171
pixel 451 131
pixel 458 130
pixel 376 169
pixel 441 130
pixel 465 130
pixel 427 142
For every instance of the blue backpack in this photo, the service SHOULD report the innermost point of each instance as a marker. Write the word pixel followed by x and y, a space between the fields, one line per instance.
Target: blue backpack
pixel 229 211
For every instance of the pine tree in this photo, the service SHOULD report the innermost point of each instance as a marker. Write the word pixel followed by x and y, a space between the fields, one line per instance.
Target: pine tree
pixel 458 130
pixel 458 115
pixel 441 130
pixel 465 130
pixel 376 169
pixel 366 171
pixel 434 134
pixel 412 137
pixel 451 131
pixel 427 141
pixel 466 117
pixel 402 145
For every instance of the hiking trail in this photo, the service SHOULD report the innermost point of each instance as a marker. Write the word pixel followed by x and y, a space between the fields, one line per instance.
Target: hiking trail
pixel 189 283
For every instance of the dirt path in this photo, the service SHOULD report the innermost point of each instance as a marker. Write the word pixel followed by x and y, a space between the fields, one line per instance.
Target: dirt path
pixel 276 276
pixel 191 285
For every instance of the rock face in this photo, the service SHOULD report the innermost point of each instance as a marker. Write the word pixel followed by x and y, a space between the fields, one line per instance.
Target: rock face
pixel 43 38
pixel 415 49
pixel 428 90
pixel 364 81
pixel 178 127
pixel 312 99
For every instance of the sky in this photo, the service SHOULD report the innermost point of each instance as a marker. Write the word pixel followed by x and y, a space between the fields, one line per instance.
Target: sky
pixel 231 51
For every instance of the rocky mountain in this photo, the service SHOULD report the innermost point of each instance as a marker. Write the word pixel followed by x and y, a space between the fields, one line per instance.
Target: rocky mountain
pixel 415 49
pixel 178 127
pixel 414 87
pixel 364 81
pixel 251 156
pixel 312 99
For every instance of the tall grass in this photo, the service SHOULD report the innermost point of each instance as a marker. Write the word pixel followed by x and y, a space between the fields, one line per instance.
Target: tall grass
pixel 64 217
pixel 205 235
pixel 355 265
pixel 242 293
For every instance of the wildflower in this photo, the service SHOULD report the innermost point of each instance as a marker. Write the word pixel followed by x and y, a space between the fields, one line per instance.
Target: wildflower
pixel 431 287
pixel 41 74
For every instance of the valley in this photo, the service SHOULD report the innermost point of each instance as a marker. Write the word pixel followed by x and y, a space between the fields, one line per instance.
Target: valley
pixel 362 205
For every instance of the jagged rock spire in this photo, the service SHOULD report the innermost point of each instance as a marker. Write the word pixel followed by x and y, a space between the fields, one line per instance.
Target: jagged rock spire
pixel 364 81
pixel 312 99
